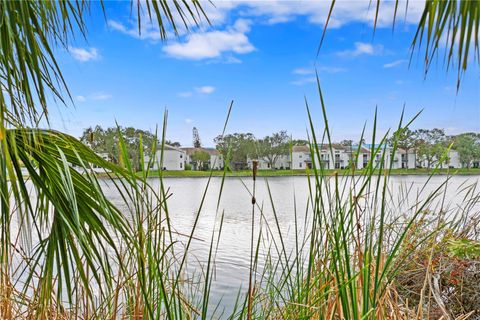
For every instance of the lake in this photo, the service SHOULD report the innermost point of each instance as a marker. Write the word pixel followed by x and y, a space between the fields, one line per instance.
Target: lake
pixel 289 194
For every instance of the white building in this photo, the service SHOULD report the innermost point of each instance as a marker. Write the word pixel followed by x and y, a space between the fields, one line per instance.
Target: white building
pixel 173 159
pixel 215 162
pixel 336 156
pixel 404 159
pixel 452 161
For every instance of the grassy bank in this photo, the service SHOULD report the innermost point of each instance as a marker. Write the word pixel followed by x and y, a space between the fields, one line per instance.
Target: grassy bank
pixel 286 173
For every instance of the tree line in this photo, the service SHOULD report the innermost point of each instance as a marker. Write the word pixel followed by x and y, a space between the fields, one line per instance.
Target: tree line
pixel 429 145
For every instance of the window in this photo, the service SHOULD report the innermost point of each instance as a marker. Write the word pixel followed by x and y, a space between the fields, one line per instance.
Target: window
pixel 181 156
pixel 181 165
pixel 300 156
pixel 300 165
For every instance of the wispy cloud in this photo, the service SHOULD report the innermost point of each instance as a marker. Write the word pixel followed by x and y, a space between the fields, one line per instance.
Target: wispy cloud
pixel 84 54
pixel 148 29
pixel 80 98
pixel 302 81
pixel 185 94
pixel 202 90
pixel 320 69
pixel 100 96
pixel 395 63
pixel 303 71
pixel 325 69
pixel 362 48
pixel 188 120
pixel 97 96
pixel 205 89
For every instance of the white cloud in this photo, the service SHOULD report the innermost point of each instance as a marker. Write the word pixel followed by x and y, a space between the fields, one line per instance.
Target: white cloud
pixel 148 29
pixel 320 69
pixel 188 121
pixel 212 44
pixel 303 71
pixel 331 69
pixel 84 54
pixel 395 63
pixel 185 94
pixel 205 89
pixel 362 48
pixel 215 40
pixel 100 96
pixel 97 96
pixel 316 12
pixel 302 81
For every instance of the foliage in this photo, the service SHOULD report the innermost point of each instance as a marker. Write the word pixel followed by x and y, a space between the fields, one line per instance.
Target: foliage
pixel 107 141
pixel 200 158
pixel 298 142
pixel 404 138
pixel 57 228
pixel 430 146
pixel 468 148
pixel 235 149
pixel 272 147
pixel 196 139
pixel 173 143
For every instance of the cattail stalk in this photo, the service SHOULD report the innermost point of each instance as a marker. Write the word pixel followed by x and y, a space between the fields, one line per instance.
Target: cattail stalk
pixel 251 289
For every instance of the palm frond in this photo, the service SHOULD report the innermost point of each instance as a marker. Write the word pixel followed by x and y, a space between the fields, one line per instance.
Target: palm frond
pixel 70 223
pixel 449 25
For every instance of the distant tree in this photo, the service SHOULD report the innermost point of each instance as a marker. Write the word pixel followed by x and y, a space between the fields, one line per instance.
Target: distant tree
pixel 430 145
pixel 173 143
pixel 346 143
pixel 235 149
pixel 107 141
pixel 467 147
pixel 200 158
pixel 196 138
pixel 405 139
pixel 272 147
pixel 299 142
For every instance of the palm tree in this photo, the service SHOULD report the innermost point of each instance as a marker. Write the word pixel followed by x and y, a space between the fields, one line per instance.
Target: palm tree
pixel 65 223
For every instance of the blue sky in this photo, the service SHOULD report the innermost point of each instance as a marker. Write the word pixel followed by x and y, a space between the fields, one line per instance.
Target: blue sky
pixel 263 56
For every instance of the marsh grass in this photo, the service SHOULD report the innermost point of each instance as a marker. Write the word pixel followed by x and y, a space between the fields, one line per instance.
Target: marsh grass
pixel 363 248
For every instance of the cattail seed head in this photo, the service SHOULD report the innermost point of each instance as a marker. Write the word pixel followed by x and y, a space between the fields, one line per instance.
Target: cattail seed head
pixel 254 169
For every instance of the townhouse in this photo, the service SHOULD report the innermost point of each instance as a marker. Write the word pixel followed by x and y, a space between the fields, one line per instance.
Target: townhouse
pixel 173 159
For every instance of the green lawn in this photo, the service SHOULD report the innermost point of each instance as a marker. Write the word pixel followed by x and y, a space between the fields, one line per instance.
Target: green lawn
pixel 275 173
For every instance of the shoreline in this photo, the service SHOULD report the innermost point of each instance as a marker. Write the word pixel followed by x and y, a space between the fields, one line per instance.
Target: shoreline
pixel 294 173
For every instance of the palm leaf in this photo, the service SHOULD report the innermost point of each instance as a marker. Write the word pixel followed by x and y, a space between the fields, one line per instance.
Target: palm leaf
pixel 450 25
pixel 73 227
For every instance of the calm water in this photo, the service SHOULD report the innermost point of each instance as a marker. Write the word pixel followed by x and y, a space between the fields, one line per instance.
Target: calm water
pixel 289 194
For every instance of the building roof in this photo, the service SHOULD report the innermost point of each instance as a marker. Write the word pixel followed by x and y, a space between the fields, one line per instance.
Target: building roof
pixel 305 148
pixel 300 149
pixel 192 150
pixel 168 147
